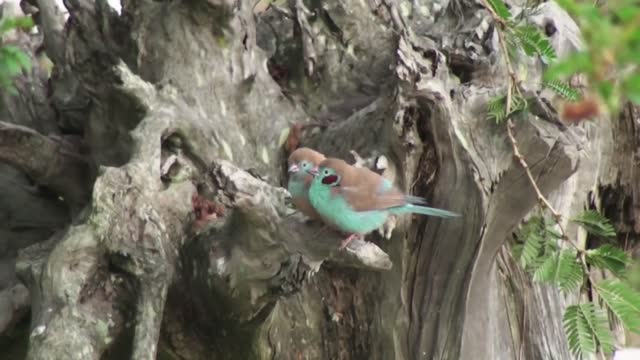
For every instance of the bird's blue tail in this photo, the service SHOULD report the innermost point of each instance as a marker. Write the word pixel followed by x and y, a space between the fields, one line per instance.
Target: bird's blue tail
pixel 424 210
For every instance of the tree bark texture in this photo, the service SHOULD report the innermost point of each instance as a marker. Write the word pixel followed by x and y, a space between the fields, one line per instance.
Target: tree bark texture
pixel 143 214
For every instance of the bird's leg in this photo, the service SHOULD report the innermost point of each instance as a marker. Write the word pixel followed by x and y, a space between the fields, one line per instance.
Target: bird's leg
pixel 345 242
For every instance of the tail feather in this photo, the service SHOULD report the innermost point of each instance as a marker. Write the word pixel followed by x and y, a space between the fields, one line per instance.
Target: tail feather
pixel 415 200
pixel 424 210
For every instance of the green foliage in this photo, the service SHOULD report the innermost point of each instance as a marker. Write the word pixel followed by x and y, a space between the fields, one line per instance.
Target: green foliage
pixel 595 224
pixel 623 301
pixel 587 329
pixel 500 8
pixel 571 64
pixel 609 257
pixel 520 35
pixel 586 325
pixel 12 60
pixel 611 64
pixel 561 269
pixel 497 107
pixel 539 242
pixel 19 22
pixel 533 41
pixel 611 58
pixel 540 255
pixel 563 89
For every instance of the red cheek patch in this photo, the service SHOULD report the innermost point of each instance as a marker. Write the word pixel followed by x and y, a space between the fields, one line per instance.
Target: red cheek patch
pixel 328 180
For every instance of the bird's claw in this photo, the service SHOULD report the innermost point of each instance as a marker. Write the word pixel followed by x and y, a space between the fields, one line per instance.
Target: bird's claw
pixel 345 242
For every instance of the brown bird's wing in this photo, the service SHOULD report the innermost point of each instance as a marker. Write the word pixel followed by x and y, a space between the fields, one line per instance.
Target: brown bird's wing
pixel 363 190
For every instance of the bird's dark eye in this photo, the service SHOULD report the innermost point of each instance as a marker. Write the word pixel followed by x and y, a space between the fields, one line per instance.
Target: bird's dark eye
pixel 304 164
pixel 325 172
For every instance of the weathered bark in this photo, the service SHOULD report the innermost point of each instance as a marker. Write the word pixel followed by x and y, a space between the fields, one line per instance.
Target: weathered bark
pixel 172 104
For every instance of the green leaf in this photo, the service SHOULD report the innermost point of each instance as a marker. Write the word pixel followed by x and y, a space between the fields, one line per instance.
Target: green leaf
pixel 20 22
pixel 623 301
pixel 500 8
pixel 9 67
pixel 609 257
pixel 16 54
pixel 563 89
pixel 533 234
pixel 631 87
pixel 595 224
pixel 533 41
pixel 627 12
pixel 496 109
pixel 587 329
pixel 572 64
pixel 561 269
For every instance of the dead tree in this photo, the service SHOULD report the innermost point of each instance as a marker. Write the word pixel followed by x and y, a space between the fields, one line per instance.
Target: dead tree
pixel 142 185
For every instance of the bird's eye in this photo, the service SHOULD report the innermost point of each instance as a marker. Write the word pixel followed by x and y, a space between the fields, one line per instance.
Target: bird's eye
pixel 325 172
pixel 304 164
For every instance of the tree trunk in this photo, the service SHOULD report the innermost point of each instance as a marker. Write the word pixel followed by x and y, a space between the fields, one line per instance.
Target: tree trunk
pixel 142 193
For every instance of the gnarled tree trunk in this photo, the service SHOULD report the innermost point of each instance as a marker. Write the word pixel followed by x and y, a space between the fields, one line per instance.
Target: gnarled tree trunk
pixel 142 193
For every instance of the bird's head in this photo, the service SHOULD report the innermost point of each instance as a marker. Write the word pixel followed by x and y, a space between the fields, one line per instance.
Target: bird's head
pixel 303 161
pixel 331 171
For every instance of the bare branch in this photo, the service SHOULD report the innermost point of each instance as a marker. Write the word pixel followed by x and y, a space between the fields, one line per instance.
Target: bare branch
pixel 52 24
pixel 48 161
pixel 263 207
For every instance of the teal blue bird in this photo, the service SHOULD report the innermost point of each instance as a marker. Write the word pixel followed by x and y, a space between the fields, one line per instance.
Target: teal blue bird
pixel 357 200
pixel 301 162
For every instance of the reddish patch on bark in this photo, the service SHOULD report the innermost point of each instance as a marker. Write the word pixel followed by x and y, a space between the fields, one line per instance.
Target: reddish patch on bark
pixel 293 140
pixel 278 72
pixel 582 110
pixel 205 210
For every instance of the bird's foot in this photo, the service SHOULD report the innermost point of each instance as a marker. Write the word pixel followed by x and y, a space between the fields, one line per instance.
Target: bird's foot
pixel 345 242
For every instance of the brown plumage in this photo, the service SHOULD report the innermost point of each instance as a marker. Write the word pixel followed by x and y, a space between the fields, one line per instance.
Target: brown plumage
pixel 362 188
pixel 305 153
pixel 301 200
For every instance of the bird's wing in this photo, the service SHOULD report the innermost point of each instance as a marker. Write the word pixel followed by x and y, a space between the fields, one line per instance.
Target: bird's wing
pixel 366 190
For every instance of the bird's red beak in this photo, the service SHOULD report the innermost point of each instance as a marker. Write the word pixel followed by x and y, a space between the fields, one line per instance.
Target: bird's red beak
pixel 293 169
pixel 313 171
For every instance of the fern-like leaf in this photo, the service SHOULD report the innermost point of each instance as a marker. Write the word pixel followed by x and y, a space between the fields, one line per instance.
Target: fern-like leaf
pixel 500 8
pixel 534 42
pixel 563 89
pixel 533 235
pixel 587 329
pixel 609 257
pixel 623 301
pixel 561 269
pixel 595 224
pixel 496 109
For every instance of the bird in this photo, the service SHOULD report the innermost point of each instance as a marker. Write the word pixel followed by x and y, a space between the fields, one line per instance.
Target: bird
pixel 356 200
pixel 300 163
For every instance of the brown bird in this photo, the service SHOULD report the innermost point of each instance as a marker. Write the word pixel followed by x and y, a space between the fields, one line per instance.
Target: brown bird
pixel 301 162
pixel 357 200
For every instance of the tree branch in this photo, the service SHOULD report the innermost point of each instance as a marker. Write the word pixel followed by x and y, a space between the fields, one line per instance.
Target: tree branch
pixel 263 207
pixel 49 162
